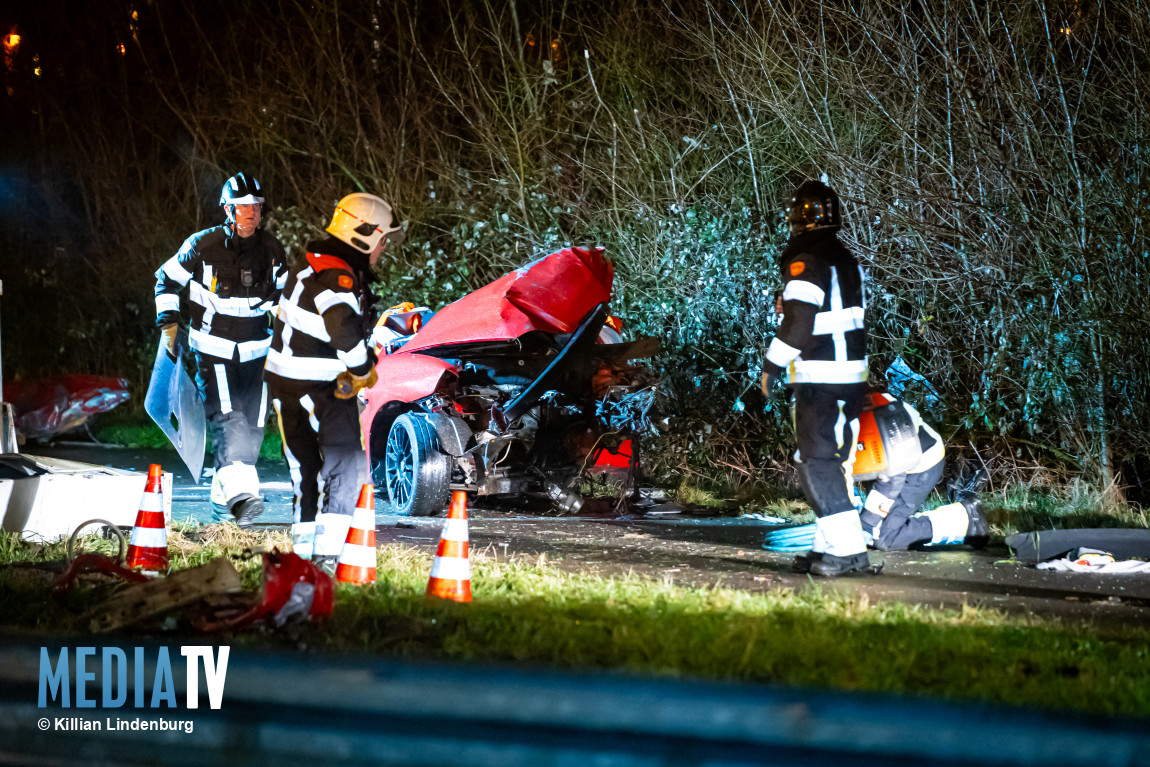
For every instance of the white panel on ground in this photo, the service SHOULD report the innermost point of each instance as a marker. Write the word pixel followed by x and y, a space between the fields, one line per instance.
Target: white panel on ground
pixel 46 499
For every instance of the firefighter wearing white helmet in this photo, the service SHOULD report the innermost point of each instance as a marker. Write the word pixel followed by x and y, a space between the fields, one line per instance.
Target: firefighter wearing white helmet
pixel 319 361
pixel 222 283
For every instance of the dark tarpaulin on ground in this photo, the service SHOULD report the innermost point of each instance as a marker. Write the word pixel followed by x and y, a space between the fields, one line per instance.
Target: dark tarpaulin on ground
pixel 1041 545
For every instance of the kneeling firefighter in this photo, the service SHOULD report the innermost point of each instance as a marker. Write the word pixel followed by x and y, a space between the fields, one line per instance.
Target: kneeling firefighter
pixel 821 345
pixel 891 513
pixel 318 362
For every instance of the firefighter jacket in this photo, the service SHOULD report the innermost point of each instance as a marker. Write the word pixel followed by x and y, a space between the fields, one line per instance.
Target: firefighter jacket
pixel 822 338
pixel 231 286
pixel 320 329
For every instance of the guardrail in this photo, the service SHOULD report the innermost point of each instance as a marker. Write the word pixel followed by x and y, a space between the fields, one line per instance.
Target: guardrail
pixel 330 710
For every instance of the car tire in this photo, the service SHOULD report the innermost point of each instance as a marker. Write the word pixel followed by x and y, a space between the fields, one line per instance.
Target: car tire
pixel 416 474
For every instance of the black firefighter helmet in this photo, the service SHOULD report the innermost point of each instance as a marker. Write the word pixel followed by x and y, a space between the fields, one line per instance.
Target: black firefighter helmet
pixel 814 206
pixel 241 189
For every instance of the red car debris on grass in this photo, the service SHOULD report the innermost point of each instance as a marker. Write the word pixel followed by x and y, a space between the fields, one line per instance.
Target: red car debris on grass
pixel 49 407
pixel 515 389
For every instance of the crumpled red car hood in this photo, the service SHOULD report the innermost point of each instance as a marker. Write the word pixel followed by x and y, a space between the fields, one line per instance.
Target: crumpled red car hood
pixel 551 294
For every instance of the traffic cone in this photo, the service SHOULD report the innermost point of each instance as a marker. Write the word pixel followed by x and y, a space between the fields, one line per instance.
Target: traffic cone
pixel 357 558
pixel 149 547
pixel 451 570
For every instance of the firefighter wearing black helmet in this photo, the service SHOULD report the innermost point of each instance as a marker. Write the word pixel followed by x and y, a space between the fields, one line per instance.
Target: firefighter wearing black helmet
pixel 229 278
pixel 820 349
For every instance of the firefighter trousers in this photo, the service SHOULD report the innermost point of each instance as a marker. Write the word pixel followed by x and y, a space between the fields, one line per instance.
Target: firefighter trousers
pixel 235 403
pixel 324 449
pixel 826 431
pixel 906 493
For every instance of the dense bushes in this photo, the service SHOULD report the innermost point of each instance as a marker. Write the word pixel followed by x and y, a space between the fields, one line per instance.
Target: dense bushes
pixel 993 161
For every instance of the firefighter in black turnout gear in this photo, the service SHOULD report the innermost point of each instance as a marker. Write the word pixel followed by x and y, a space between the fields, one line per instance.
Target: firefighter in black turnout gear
pixel 231 277
pixel 821 349
pixel 318 362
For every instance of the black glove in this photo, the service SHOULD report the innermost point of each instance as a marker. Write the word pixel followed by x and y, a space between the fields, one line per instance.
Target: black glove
pixel 770 381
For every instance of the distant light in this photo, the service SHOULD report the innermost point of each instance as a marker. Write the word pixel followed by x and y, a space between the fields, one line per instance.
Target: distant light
pixel 122 50
pixel 36 71
pixel 11 44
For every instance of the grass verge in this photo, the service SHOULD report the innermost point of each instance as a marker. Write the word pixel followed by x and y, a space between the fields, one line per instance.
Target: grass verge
pixel 527 612
pixel 137 430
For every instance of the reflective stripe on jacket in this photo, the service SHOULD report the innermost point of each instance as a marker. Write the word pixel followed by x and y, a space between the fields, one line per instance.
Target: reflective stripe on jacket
pixel 223 313
pixel 823 337
pixel 319 327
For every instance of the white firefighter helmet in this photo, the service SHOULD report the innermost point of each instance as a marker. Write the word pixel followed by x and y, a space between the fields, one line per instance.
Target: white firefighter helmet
pixel 362 220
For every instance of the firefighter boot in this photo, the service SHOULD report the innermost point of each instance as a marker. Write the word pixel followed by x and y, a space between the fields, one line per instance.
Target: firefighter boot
pixel 977 530
pixel 330 535
pixel 246 508
pixel 958 522
pixel 303 539
pixel 839 547
pixel 241 486
pixel 831 566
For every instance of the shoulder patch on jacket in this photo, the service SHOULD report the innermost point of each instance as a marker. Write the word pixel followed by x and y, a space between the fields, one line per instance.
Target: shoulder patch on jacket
pixel 345 281
pixel 796 268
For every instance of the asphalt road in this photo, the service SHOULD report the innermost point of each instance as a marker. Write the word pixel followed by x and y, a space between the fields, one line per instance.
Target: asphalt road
pixel 698 550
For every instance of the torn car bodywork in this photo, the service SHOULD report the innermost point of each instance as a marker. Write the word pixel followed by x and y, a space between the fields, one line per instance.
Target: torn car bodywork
pixel 513 389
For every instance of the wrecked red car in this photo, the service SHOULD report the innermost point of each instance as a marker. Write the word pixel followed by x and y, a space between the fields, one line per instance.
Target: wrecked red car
pixel 515 389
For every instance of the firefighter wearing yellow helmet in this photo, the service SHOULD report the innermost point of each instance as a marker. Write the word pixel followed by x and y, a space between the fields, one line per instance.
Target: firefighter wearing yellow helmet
pixel 319 361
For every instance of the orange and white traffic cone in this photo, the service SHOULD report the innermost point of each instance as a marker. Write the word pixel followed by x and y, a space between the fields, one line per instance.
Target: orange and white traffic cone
pixel 451 570
pixel 357 558
pixel 149 547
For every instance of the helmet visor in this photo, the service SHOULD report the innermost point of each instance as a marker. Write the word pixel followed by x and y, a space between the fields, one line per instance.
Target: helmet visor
pixel 247 199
